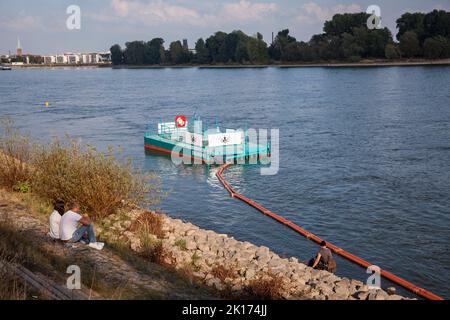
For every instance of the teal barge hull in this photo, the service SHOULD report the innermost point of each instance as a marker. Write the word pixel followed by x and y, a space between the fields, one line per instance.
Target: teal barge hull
pixel 160 144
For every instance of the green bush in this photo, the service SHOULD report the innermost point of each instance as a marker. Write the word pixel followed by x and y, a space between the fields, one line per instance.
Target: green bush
pixel 392 52
pixel 67 171
pixel 22 187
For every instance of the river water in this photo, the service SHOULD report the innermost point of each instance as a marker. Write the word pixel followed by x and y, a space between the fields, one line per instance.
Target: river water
pixel 364 152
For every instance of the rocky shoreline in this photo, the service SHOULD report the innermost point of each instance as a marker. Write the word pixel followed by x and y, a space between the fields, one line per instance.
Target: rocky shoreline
pixel 229 265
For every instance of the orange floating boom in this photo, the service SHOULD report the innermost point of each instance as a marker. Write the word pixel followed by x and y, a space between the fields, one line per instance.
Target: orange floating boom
pixel 341 252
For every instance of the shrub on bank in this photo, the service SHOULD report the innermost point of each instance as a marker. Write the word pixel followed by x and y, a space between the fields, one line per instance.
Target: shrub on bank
pixel 265 288
pixel 67 171
pixel 15 153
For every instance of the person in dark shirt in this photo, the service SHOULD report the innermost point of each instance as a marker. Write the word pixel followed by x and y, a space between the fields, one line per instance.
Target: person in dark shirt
pixel 324 259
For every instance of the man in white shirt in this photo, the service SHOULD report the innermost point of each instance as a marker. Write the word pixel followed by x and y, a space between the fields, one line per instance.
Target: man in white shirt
pixel 55 220
pixel 70 231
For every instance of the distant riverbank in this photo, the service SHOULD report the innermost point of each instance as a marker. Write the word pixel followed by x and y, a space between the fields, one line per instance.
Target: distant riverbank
pixel 333 64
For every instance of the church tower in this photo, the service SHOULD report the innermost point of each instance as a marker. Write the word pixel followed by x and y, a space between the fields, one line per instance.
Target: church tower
pixel 19 48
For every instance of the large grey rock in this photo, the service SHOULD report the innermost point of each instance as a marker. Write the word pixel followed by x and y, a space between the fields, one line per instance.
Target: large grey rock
pixel 361 295
pixel 191 245
pixel 203 247
pixel 391 291
pixel 377 295
pixel 250 274
pixel 263 259
pixel 342 288
pixel 262 251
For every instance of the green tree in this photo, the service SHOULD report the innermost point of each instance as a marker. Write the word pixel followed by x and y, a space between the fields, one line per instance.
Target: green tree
pixel 134 53
pixel 350 47
pixel 392 52
pixel 257 49
pixel 325 47
pixel 437 47
pixel 154 51
pixel 372 42
pixel 116 54
pixel 410 22
pixel 345 23
pixel 437 23
pixel 282 39
pixel 432 48
pixel 176 52
pixel 409 44
pixel 241 54
pixel 179 54
pixel 228 48
pixel 201 52
pixel 298 51
pixel 214 45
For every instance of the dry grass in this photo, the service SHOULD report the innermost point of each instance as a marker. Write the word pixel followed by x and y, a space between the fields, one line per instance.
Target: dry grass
pixel 155 252
pixel 148 223
pixel 149 228
pixel 223 272
pixel 161 256
pixel 67 171
pixel 265 287
pixel 11 286
pixel 15 153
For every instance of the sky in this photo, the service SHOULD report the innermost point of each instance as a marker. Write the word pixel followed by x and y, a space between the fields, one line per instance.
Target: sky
pixel 41 25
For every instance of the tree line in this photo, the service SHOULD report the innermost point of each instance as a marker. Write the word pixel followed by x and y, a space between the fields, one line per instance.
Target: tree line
pixel 345 37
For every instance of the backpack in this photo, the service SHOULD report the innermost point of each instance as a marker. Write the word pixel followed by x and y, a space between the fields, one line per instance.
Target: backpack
pixel 331 267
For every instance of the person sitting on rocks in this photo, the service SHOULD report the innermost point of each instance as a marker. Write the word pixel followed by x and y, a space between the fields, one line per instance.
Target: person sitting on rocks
pixel 71 232
pixel 55 220
pixel 323 260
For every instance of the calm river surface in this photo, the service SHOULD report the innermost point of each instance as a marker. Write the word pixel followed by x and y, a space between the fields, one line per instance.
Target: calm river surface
pixel 364 152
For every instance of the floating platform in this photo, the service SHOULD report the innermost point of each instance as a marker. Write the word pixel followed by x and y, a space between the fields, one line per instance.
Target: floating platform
pixel 195 143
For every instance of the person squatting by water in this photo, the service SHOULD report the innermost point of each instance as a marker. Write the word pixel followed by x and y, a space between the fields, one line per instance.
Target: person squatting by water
pixel 323 260
pixel 73 227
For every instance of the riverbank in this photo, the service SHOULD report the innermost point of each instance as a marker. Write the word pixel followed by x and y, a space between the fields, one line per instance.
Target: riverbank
pixel 333 64
pixel 235 268
pixel 150 255
pixel 114 273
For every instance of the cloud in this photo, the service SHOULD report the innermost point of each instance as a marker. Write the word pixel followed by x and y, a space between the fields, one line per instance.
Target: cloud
pixel 154 12
pixel 312 12
pixel 159 12
pixel 247 11
pixel 23 23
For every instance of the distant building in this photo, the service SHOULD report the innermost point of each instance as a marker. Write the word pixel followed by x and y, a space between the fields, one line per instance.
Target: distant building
pixel 105 57
pixel 78 58
pixel 185 45
pixel 85 58
pixel 49 59
pixel 19 48
pixel 72 58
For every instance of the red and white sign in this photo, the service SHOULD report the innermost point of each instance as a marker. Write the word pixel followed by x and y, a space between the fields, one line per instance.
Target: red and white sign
pixel 180 121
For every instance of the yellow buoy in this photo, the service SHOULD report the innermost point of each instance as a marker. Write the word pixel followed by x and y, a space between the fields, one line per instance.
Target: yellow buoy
pixel 46 103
